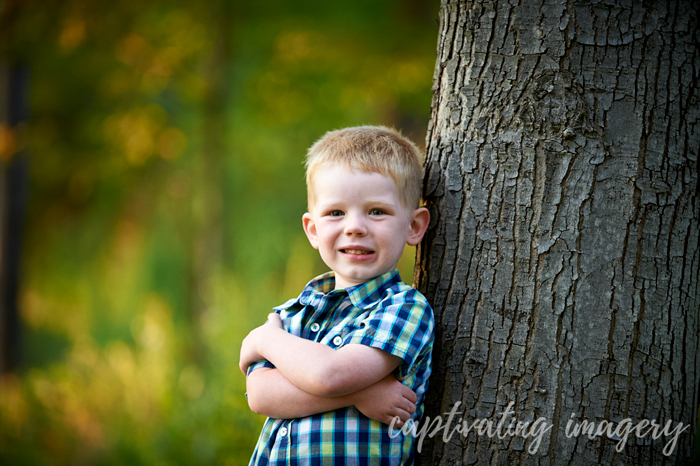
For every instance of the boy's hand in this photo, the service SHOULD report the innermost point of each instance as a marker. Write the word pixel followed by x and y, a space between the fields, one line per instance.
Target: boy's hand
pixel 385 400
pixel 274 319
pixel 250 345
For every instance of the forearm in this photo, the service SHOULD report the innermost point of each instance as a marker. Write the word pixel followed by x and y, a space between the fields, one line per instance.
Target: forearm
pixel 321 370
pixel 271 394
pixel 314 367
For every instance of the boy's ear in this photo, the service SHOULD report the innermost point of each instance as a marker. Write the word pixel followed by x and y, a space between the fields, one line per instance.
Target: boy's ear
pixel 420 218
pixel 310 229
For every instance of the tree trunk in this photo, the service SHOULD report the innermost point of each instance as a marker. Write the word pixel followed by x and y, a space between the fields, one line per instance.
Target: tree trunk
pixel 563 254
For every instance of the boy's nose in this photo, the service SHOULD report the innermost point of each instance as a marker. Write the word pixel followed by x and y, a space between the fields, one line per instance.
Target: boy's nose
pixel 355 225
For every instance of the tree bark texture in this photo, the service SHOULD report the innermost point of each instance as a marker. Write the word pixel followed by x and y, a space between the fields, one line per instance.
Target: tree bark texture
pixel 563 253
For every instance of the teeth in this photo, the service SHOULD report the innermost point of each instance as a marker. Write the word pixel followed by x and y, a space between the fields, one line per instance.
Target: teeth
pixel 357 251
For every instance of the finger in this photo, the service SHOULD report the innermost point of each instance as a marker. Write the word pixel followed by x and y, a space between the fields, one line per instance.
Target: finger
pixel 396 420
pixel 401 414
pixel 274 319
pixel 410 395
pixel 411 408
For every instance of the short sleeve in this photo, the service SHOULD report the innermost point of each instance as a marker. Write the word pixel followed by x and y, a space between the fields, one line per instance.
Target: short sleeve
pixel 403 328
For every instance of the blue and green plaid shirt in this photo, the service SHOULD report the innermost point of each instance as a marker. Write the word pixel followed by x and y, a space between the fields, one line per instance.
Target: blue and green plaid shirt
pixel 383 313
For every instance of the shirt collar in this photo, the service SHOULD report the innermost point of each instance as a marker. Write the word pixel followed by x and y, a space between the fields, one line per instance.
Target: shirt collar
pixel 363 296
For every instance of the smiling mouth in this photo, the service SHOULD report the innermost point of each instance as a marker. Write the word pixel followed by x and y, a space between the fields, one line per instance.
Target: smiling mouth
pixel 357 252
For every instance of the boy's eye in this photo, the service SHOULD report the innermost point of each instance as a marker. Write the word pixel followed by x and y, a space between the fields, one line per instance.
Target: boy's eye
pixel 335 213
pixel 376 212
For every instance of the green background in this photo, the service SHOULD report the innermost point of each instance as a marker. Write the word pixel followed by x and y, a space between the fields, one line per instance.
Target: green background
pixel 166 141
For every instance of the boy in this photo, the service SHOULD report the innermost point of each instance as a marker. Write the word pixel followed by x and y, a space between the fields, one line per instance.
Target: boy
pixel 353 352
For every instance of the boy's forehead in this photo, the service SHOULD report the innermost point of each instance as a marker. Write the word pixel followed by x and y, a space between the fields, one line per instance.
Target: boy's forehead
pixel 346 170
pixel 330 177
pixel 332 184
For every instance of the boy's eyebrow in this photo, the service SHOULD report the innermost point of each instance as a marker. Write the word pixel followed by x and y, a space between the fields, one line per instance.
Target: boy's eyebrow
pixel 369 202
pixel 381 204
pixel 387 199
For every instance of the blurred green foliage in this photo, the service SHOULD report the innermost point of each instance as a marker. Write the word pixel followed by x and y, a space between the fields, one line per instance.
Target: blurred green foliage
pixel 166 142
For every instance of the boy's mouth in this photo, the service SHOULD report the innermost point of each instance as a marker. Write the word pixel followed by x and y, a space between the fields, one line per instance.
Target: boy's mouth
pixel 357 252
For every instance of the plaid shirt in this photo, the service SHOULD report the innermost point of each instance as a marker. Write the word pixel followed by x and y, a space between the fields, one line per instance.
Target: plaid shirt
pixel 383 313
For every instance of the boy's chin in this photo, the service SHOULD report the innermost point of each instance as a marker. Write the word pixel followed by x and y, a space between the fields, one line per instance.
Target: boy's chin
pixel 354 279
pixel 346 281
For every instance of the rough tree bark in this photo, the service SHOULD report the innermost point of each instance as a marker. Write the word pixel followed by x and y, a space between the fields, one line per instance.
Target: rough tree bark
pixel 563 254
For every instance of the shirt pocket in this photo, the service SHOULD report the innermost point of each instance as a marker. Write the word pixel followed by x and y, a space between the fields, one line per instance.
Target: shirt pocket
pixel 340 335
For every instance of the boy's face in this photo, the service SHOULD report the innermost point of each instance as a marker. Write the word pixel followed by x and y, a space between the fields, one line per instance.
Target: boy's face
pixel 359 224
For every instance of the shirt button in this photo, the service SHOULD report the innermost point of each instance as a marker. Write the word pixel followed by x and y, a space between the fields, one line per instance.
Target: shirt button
pixel 315 327
pixel 337 341
pixel 283 432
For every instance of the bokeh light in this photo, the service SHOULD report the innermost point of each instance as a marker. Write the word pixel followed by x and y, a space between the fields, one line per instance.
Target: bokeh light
pixel 166 142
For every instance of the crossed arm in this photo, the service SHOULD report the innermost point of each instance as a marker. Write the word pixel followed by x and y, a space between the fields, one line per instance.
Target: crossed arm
pixel 311 377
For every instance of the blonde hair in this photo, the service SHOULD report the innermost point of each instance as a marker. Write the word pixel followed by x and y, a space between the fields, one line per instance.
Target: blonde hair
pixel 371 149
